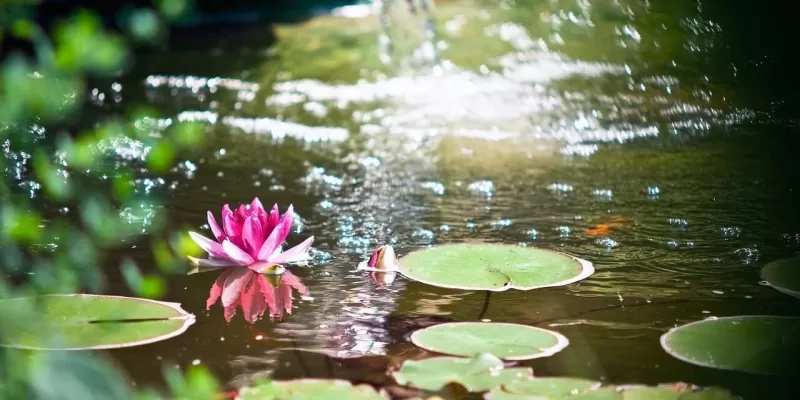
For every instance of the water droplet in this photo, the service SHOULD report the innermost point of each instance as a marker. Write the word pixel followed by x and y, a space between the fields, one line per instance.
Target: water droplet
pixel 444 228
pixel 435 187
pixel 603 193
pixel 423 235
pixel 652 191
pixel 730 232
pixel 560 187
pixel 196 361
pixel 501 223
pixel 717 292
pixel 606 242
pixel 678 222
pixel 325 204
pixel 484 188
pixel 563 230
pixel 747 254
pixel 470 224
pixel 533 233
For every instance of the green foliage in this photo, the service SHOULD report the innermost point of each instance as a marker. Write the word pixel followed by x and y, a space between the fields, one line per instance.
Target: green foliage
pixel 62 197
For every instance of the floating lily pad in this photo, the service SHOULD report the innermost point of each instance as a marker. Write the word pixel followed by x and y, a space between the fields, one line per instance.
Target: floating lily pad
pixel 580 389
pixel 87 322
pixel 493 267
pixel 477 374
pixel 506 341
pixel 759 344
pixel 783 276
pixel 307 389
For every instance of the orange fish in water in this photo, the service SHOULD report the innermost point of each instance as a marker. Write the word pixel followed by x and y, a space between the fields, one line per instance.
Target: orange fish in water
pixel 605 228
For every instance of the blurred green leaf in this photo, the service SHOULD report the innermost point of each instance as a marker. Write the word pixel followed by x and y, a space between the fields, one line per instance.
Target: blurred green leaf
pixel 161 157
pixel 201 384
pixel 173 8
pixel 54 184
pixel 23 28
pixel 144 24
pixel 80 153
pixel 82 44
pixel 187 134
pixel 153 286
pixel 59 375
pixel 123 186
pixel 21 225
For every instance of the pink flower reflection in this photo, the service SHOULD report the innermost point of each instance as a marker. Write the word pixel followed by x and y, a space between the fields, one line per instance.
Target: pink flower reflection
pixel 245 288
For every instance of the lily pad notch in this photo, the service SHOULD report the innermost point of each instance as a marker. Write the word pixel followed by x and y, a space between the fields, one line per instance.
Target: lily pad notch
pixel 493 267
pixel 506 341
pixel 783 276
pixel 477 374
pixel 97 322
pixel 759 344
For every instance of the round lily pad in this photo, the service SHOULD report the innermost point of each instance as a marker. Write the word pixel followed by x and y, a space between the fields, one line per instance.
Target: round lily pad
pixel 308 389
pixel 494 267
pixel 89 322
pixel 503 340
pixel 477 374
pixel 581 389
pixel 759 344
pixel 783 276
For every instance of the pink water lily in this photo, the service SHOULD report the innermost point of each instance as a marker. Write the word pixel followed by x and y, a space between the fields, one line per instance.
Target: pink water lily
pixel 382 266
pixel 382 259
pixel 250 237
pixel 246 289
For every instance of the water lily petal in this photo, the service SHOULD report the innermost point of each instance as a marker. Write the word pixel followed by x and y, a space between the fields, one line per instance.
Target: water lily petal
pixel 236 254
pixel 286 223
pixel 241 214
pixel 252 301
pixel 296 253
pixel 216 289
pixel 373 259
pixel 256 207
pixel 268 291
pixel 252 236
pixel 232 229
pixel 210 246
pixel 269 245
pixel 292 280
pixel 267 268
pixel 234 283
pixel 215 229
pixel 208 264
pixel 273 218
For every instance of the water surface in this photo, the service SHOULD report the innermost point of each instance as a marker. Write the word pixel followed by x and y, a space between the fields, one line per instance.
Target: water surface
pixel 635 134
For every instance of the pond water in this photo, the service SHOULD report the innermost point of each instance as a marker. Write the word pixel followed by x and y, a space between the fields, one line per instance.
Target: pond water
pixel 654 139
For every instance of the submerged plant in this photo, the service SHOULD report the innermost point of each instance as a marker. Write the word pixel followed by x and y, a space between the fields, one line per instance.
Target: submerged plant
pixel 245 288
pixel 250 237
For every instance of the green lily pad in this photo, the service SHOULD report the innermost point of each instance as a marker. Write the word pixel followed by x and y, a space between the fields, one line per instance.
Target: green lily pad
pixel 503 340
pixel 493 267
pixel 783 276
pixel 580 389
pixel 759 344
pixel 307 389
pixel 552 386
pixel 90 322
pixel 477 374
